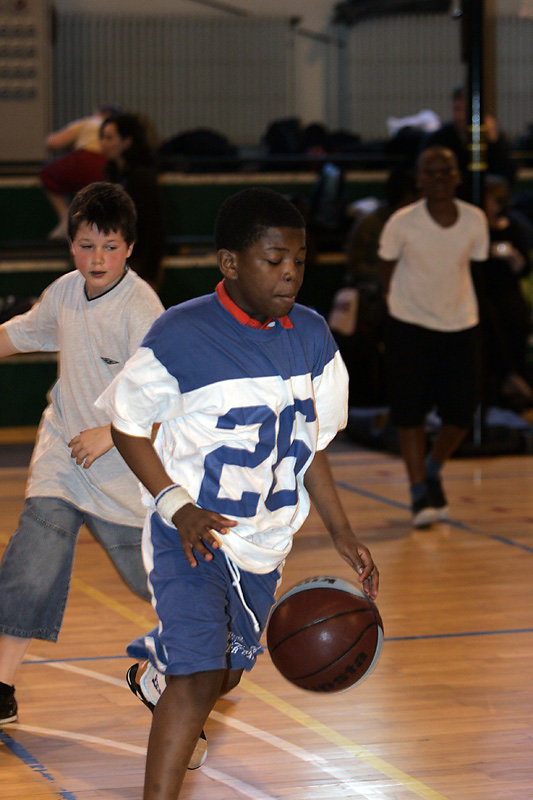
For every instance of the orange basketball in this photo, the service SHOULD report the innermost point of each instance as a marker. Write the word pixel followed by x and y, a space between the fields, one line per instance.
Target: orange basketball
pixel 325 635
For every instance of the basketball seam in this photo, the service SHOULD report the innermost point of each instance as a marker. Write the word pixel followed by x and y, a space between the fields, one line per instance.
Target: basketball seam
pixel 332 663
pixel 318 622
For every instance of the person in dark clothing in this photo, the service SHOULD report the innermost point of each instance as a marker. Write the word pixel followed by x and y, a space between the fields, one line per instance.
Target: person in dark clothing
pixel 505 312
pixel 363 347
pixel 131 163
pixel 454 136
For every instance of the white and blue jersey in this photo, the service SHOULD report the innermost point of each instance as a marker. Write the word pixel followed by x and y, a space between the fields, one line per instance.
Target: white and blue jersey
pixel 242 411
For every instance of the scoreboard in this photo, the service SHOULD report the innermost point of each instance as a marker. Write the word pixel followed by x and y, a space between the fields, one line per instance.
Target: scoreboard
pixel 25 79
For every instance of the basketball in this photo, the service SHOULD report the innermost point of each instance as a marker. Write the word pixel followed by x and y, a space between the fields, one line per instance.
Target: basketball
pixel 325 635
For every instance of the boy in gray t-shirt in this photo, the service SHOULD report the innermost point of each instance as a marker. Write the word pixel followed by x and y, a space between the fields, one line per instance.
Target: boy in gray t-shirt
pixel 95 318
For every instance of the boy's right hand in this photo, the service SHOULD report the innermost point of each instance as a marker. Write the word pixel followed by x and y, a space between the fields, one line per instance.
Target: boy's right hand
pixel 89 445
pixel 197 526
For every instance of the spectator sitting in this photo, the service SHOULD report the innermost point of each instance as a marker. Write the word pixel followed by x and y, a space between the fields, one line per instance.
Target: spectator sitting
pixel 131 162
pixel 362 346
pixel 84 163
pixel 454 136
pixel 505 313
pixel 363 238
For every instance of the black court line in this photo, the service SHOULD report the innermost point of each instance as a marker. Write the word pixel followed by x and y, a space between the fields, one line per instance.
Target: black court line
pixel 463 635
pixel 452 522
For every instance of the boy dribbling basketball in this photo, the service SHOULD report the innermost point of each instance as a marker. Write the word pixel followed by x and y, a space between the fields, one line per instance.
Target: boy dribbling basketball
pixel 249 389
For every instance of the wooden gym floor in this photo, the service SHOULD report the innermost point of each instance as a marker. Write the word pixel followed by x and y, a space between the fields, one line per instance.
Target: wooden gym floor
pixel 447 714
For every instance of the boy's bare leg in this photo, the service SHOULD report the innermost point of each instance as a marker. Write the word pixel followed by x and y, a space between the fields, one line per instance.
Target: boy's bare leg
pixel 60 206
pixel 446 442
pixel 230 680
pixel 178 719
pixel 412 443
pixel 12 649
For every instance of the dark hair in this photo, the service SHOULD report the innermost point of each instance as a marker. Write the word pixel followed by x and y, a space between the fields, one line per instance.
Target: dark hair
pixel 400 185
pixel 243 217
pixel 129 126
pixel 459 92
pixel 436 150
pixel 494 182
pixel 107 206
pixel 499 186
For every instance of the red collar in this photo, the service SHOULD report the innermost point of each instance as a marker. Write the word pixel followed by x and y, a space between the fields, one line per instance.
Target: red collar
pixel 241 316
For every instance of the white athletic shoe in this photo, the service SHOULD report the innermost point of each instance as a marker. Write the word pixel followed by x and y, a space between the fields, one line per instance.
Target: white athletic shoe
pixel 148 685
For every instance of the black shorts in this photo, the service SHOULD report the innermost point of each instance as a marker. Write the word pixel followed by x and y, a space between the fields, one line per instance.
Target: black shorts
pixel 428 369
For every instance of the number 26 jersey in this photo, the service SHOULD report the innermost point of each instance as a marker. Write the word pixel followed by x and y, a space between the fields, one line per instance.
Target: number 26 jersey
pixel 242 411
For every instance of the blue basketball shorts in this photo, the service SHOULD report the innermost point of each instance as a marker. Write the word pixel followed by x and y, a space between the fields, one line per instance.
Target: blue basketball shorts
pixel 211 616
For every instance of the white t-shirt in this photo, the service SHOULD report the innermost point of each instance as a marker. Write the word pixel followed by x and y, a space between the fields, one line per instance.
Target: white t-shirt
pixel 432 283
pixel 94 338
pixel 86 133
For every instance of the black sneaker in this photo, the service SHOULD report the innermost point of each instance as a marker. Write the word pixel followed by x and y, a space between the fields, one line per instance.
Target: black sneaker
pixel 8 704
pixel 423 513
pixel 437 498
pixel 200 751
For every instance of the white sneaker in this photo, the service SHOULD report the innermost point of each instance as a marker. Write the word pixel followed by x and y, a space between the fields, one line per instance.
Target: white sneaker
pixel 148 684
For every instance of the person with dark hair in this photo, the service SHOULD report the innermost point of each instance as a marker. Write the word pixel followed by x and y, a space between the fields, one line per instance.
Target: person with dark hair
pixel 249 389
pixel 84 164
pixel 505 312
pixel 131 162
pixel 454 136
pixel 94 317
pixel 361 339
pixel 363 239
pixel 108 208
pixel 246 216
pixel 432 332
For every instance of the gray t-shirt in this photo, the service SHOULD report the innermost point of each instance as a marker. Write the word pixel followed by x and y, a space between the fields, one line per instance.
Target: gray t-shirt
pixel 94 339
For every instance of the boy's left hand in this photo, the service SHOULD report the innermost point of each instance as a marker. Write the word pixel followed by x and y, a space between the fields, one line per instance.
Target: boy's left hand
pixel 89 445
pixel 358 557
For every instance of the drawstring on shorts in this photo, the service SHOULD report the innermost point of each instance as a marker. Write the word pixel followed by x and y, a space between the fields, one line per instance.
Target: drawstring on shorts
pixel 236 583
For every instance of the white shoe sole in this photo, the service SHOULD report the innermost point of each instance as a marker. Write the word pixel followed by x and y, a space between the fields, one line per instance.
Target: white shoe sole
pixel 424 518
pixel 199 754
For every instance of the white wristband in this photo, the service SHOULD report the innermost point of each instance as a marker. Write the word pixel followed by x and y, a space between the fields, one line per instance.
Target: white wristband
pixel 170 500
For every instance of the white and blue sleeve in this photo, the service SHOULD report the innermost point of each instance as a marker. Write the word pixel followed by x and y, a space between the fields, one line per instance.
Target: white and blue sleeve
pixel 141 394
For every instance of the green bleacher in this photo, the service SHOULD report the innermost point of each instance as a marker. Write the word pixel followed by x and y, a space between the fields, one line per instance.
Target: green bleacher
pixel 28 263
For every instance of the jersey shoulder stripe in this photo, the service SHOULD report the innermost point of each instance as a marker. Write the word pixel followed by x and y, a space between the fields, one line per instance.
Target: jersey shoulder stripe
pixel 200 343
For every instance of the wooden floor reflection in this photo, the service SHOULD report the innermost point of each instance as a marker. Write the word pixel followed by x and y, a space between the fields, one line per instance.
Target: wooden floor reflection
pixel 446 715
